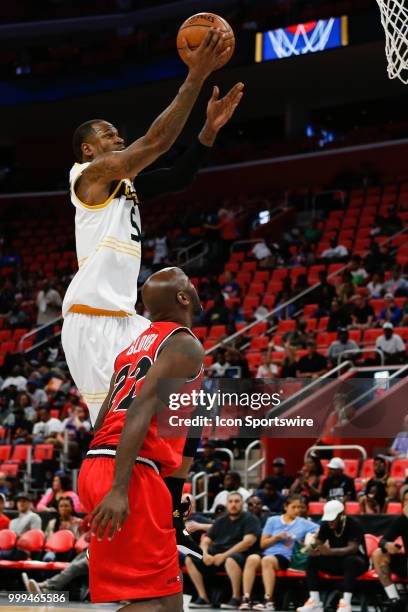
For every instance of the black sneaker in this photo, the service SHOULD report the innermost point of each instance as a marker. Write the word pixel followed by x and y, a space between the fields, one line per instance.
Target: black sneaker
pixel 232 604
pixel 185 543
pixel 395 605
pixel 199 603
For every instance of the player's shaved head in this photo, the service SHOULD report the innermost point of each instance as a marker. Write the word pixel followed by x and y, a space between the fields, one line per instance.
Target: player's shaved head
pixel 169 295
pixel 82 134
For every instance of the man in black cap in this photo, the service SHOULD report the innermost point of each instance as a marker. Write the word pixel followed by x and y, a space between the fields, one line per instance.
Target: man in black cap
pixel 283 481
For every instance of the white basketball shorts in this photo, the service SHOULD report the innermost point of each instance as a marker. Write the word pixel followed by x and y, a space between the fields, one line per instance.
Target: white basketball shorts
pixel 91 344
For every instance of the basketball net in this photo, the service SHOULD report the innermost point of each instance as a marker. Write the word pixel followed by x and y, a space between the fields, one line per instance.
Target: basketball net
pixel 394 19
pixel 302 40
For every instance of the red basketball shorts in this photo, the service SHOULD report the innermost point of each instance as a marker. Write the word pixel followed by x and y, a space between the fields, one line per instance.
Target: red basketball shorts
pixel 141 561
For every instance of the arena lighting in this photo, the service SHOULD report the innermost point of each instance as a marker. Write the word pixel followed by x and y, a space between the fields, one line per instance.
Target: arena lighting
pixel 301 39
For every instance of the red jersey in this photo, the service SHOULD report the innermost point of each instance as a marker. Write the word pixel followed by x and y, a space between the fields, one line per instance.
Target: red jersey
pixel 131 368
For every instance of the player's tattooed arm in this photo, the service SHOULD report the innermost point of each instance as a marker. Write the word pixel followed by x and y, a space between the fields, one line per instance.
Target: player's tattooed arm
pixel 167 126
pixel 180 359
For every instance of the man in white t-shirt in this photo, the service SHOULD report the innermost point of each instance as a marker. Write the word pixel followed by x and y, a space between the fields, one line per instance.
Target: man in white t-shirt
pixel 15 380
pixel 335 251
pixel 261 251
pixel 391 345
pixel 46 427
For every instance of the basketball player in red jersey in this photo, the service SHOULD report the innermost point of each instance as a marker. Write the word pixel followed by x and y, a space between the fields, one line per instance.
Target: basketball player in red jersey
pixel 120 482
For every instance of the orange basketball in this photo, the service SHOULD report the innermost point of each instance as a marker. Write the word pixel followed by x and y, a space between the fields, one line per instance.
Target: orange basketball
pixel 195 29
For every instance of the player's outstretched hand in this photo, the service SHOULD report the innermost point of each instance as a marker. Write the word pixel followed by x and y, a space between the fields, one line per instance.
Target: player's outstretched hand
pixel 113 509
pixel 209 56
pixel 219 111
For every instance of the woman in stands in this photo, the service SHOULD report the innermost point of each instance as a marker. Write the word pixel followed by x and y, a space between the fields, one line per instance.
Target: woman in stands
pixel 66 519
pixel 374 502
pixel 289 365
pixel 308 480
pixel 61 487
pixel 277 543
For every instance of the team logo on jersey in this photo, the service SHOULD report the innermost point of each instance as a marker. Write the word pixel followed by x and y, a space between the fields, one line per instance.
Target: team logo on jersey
pixel 129 192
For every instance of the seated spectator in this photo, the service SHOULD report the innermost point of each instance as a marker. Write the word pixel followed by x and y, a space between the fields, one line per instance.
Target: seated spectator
pixel 209 463
pixel 362 313
pixel 267 369
pixel 254 505
pixel 283 481
pixel 391 345
pixel 225 546
pixel 390 559
pixel 313 364
pixel 390 312
pixel 323 295
pixel 338 316
pixel 218 314
pixel 358 272
pixel 335 251
pixel 49 303
pixel 78 429
pixel 307 482
pixel 269 494
pixel 23 402
pixel 61 487
pixel 337 485
pixel 74 401
pixel 397 285
pixel 61 581
pixel 374 501
pixel 66 519
pixel 4 520
pixel 238 364
pixel 16 380
pixel 45 431
pixel 26 519
pixel 18 426
pixel 232 482
pixel 298 337
pixel 346 289
pixel 289 363
pixel 220 365
pixel 342 349
pixel 376 286
pixel 261 252
pixel 230 287
pixel 399 447
pixel 339 550
pixel 277 543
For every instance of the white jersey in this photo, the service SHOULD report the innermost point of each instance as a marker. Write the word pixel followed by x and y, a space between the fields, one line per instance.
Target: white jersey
pixel 108 245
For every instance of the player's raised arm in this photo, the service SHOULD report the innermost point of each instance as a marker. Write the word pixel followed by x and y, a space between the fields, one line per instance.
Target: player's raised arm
pixel 166 128
pixel 180 359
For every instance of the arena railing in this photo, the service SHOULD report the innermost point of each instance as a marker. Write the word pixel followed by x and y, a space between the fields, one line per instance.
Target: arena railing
pixel 194 488
pixel 338 447
pixel 261 462
pixel 359 351
pixel 185 256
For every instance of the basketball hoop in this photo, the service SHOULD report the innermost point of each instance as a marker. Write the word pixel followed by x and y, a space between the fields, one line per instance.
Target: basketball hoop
pixel 394 19
pixel 302 38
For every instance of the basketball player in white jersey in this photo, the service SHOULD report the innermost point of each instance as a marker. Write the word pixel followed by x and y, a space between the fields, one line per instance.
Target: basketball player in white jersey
pixel 99 305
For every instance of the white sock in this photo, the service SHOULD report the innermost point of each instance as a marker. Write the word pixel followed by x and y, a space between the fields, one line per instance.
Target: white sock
pixel 315 596
pixel 391 591
pixel 347 598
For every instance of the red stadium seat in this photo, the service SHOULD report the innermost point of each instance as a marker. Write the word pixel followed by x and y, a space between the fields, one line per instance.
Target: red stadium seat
pixel 279 274
pixel 394 508
pixel 55 413
pixel 244 277
pixel 43 452
pixel 250 302
pixel 200 332
pixel 399 469
pixel 316 507
pixel 367 471
pixel 261 276
pixel 21 452
pixel 323 322
pixel 208 361
pixel 286 326
pixel 31 541
pixel 269 301
pixel 83 542
pixel 258 329
pixel 60 541
pixel 6 335
pixel 5 452
pixel 309 310
pixel 274 287
pixel 10 469
pixel 351 467
pixel 371 335
pixel 372 543
pixel 248 266
pixel 217 331
pixel 259 343
pixel 352 508
pixel 256 289
pixel 254 359
pixel 7 539
pixel 238 256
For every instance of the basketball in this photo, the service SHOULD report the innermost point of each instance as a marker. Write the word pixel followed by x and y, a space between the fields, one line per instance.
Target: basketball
pixel 195 28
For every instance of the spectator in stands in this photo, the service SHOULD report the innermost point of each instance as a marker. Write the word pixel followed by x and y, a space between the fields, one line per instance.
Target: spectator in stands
pixel 277 543
pixel 346 289
pixel 374 502
pixel 390 559
pixel 37 395
pixel 254 505
pixel 232 482
pixel 267 369
pixel 61 581
pixel 237 360
pixel 335 251
pixel 289 363
pixel 338 316
pixel 391 345
pixel 61 487
pixel 283 481
pixel 339 550
pixel 268 493
pixel 313 364
pixel 381 471
pixel 226 545
pixel 391 312
pixel 227 228
pixel 66 518
pixel 220 365
pixel 19 427
pixel 298 337
pixel 358 273
pixel 26 519
pixel 342 348
pixel 4 520
pixel 78 429
pixel 261 252
pixel 230 288
pixel 218 314
pixel 362 313
pixel 74 402
pixel 209 463
pixel 337 485
pixel 397 285
pixel 23 402
pixel 376 286
pixel 47 428
pixel 323 295
pixel 308 481
pixel 49 303
pixel 16 380
pixel 399 447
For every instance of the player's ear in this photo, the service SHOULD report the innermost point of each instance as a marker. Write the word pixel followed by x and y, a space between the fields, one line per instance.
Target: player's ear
pixel 183 298
pixel 86 149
